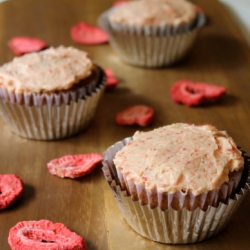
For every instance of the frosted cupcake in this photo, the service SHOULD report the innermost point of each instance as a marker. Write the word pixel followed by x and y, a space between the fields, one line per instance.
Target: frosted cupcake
pixel 178 183
pixel 152 33
pixel 50 94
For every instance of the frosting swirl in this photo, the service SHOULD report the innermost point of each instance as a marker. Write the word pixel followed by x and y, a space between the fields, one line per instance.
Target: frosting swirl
pixel 179 157
pixel 154 12
pixel 45 71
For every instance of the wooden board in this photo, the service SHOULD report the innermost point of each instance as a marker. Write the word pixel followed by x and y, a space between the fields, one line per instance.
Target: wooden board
pixel 86 205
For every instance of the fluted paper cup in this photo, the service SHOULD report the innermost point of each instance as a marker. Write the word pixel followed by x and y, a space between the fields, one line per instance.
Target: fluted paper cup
pixel 151 46
pixel 166 224
pixel 51 116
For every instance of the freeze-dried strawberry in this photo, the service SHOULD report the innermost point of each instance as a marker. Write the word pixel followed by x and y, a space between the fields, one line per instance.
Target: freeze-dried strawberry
pixel 21 44
pixel 199 9
pixel 139 114
pixel 74 166
pixel 195 93
pixel 44 235
pixel 11 188
pixel 112 81
pixel 109 72
pixel 119 3
pixel 87 34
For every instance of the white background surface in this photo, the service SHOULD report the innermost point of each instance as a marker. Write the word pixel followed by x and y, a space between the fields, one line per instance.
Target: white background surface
pixel 240 12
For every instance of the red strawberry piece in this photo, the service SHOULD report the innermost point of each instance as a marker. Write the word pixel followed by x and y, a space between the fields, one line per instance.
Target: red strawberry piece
pixel 199 9
pixel 195 93
pixel 21 45
pixel 119 3
pixel 87 34
pixel 44 235
pixel 109 73
pixel 139 114
pixel 11 188
pixel 74 166
pixel 112 81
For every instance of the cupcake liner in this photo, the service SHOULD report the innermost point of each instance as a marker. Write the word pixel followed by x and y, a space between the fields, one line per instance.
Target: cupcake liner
pixel 179 200
pixel 54 116
pixel 151 46
pixel 169 225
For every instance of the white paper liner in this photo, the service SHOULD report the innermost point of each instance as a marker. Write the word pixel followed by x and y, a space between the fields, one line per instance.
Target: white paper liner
pixel 171 226
pixel 178 200
pixel 56 119
pixel 150 46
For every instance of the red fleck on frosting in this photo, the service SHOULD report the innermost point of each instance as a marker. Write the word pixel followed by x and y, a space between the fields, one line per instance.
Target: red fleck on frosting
pixel 180 157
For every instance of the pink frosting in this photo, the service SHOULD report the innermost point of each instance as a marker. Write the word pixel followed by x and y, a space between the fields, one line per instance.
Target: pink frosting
pixel 179 157
pixel 154 12
pixel 49 70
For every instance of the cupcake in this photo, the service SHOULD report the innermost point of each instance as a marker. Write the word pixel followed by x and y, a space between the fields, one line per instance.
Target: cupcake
pixel 152 33
pixel 179 183
pixel 51 94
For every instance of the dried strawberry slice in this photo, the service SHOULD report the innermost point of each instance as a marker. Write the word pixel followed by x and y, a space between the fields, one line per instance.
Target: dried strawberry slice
pixel 74 166
pixel 119 3
pixel 109 72
pixel 44 235
pixel 11 188
pixel 195 93
pixel 139 114
pixel 182 92
pixel 199 9
pixel 21 45
pixel 112 81
pixel 87 34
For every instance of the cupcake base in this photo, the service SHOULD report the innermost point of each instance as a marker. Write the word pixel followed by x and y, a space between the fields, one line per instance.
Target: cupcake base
pixel 172 226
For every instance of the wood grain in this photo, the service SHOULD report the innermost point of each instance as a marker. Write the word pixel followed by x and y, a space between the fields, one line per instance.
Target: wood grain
pixel 220 56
